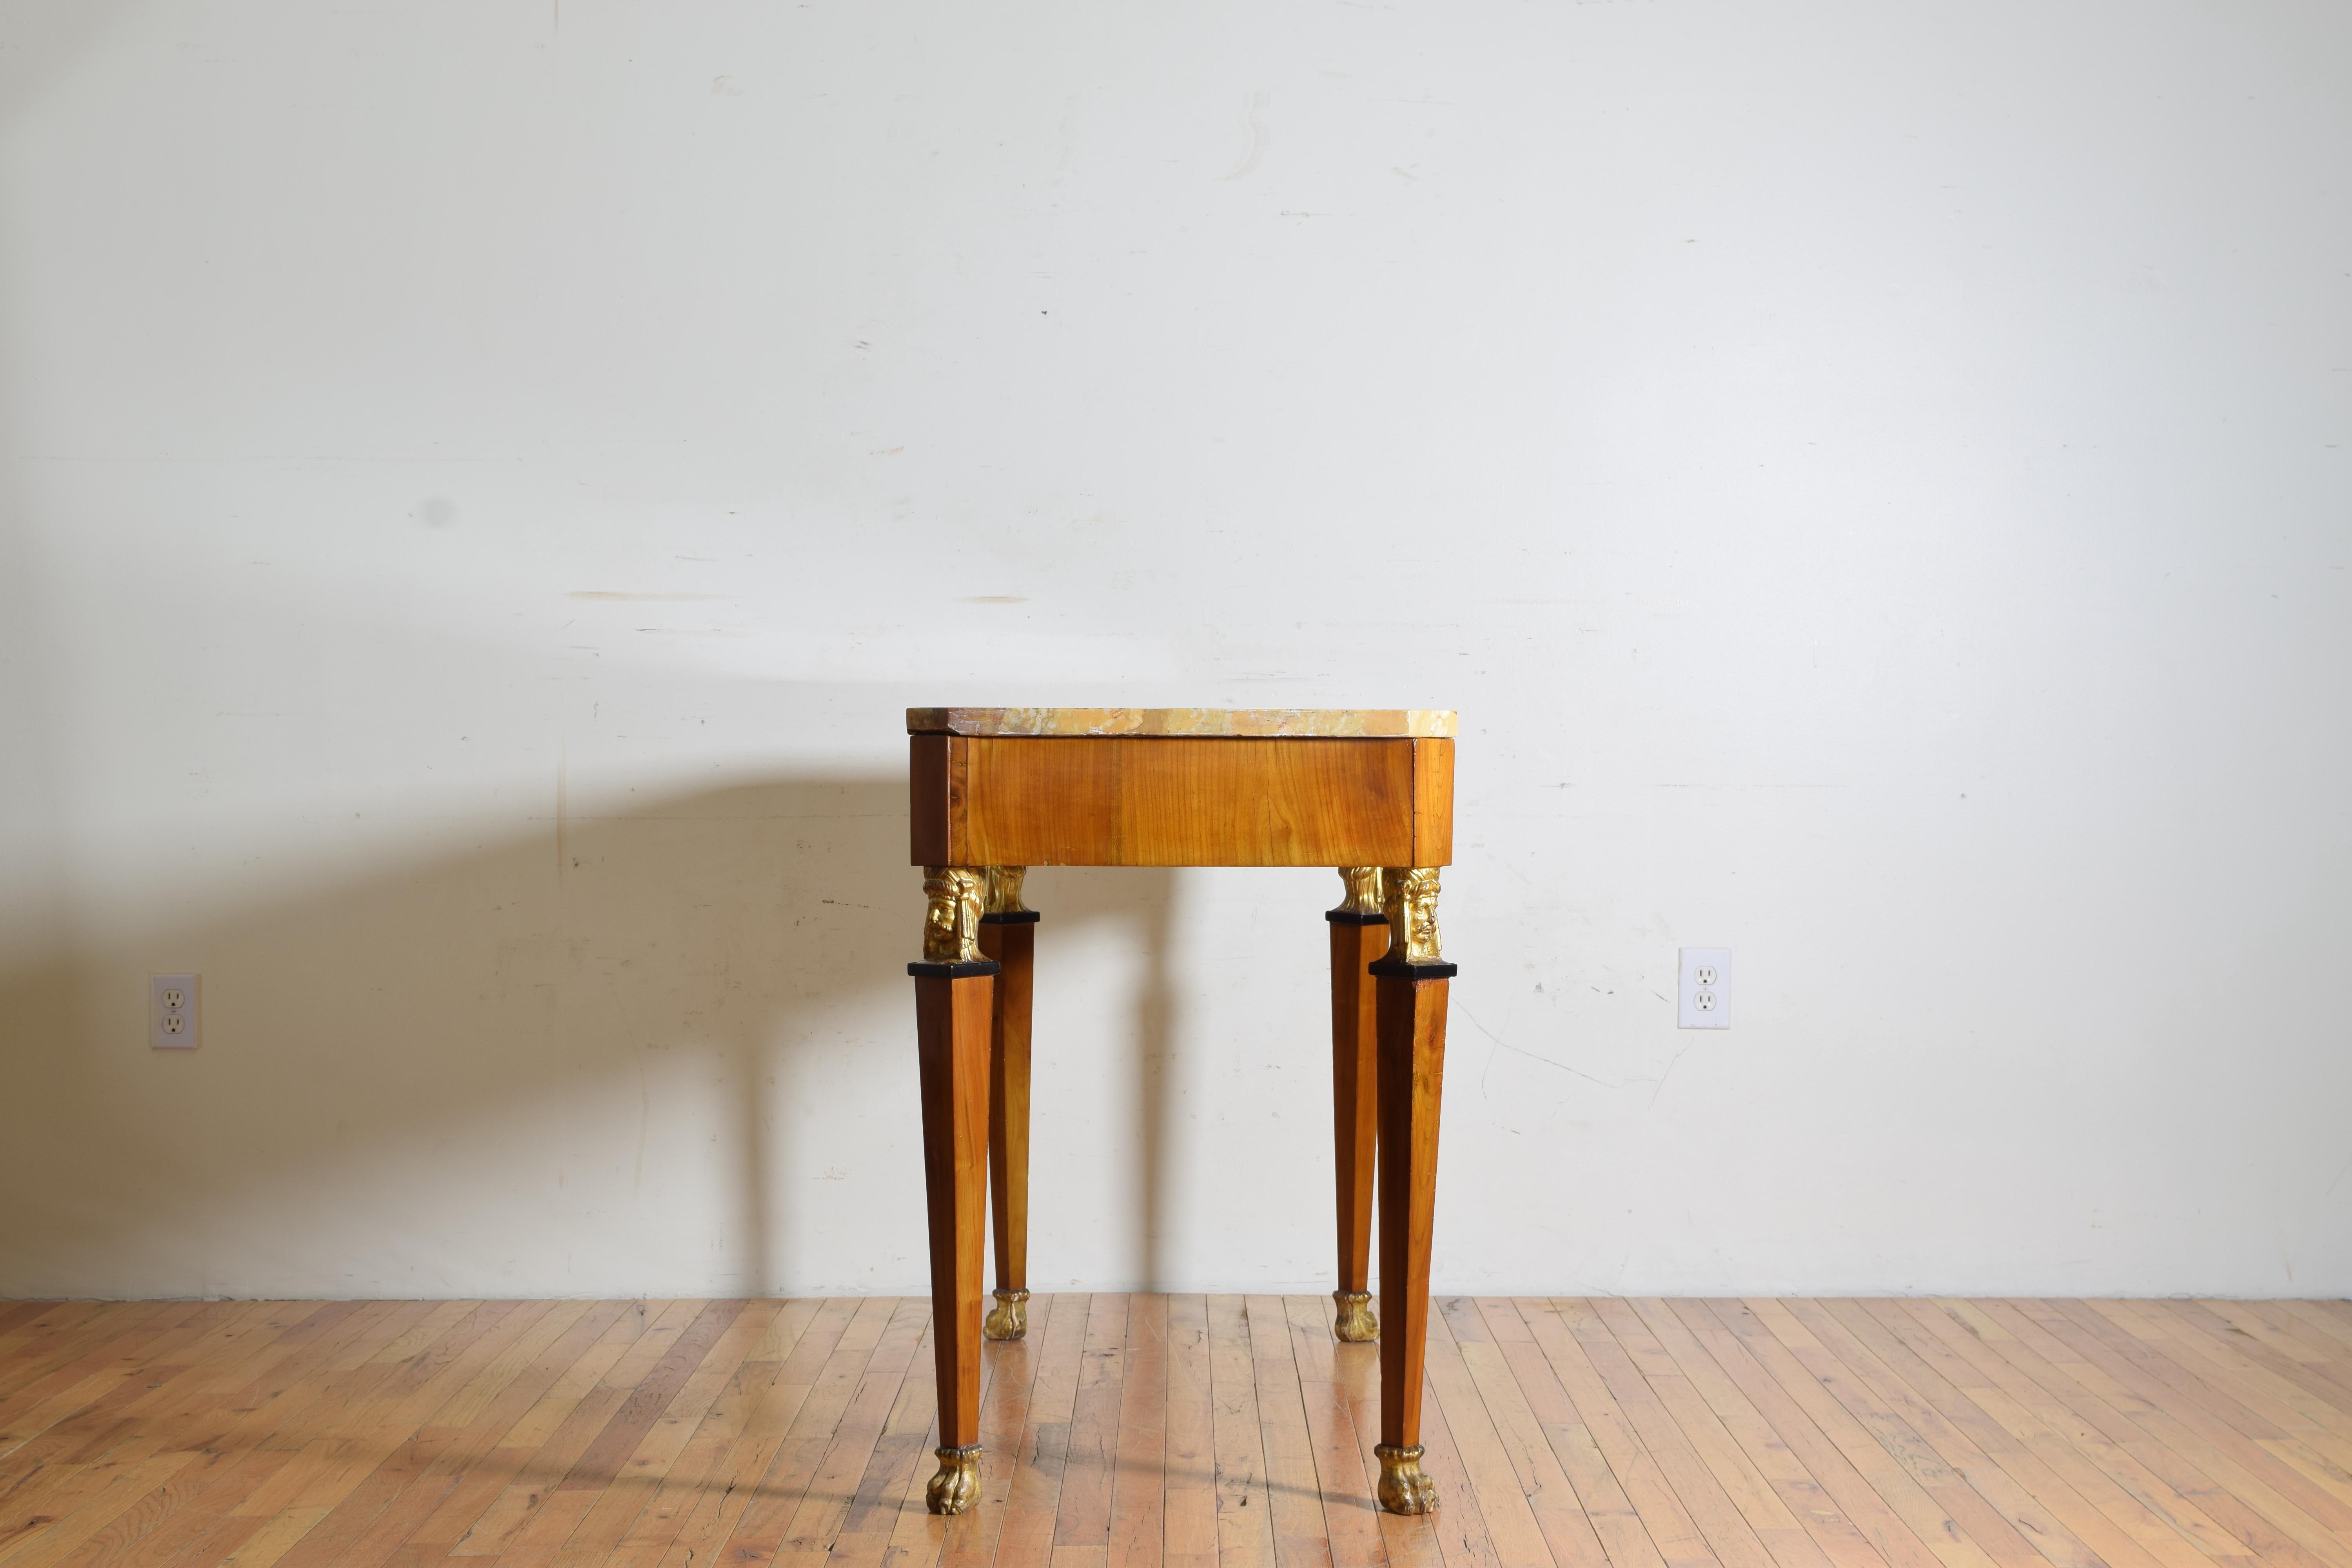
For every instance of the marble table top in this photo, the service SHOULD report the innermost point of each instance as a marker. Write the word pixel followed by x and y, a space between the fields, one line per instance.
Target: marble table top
pixel 1423 723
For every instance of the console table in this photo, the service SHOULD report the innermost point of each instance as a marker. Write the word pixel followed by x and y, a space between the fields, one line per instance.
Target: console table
pixel 994 791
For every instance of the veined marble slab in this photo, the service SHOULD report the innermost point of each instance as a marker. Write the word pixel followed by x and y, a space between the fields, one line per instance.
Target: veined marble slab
pixel 1427 723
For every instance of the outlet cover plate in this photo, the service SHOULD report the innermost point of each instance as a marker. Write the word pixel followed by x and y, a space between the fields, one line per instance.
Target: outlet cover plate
pixel 1703 991
pixel 171 1012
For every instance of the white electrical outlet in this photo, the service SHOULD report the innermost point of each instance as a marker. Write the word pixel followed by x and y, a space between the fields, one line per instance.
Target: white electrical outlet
pixel 171 1012
pixel 1702 993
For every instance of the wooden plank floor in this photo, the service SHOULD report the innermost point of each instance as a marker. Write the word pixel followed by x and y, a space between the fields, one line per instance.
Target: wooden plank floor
pixel 1178 1432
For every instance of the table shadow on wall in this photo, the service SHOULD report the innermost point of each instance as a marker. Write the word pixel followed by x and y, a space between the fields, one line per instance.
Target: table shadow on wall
pixel 383 1056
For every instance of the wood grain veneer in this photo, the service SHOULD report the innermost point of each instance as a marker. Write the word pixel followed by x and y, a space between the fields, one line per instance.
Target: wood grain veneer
pixel 1180 801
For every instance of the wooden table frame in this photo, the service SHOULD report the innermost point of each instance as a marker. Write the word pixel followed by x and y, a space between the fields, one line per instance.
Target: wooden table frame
pixel 996 791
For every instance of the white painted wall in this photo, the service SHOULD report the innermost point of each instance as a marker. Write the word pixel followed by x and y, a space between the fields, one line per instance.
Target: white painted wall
pixel 482 480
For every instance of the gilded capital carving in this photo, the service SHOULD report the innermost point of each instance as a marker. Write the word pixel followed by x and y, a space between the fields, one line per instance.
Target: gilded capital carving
pixel 1412 908
pixel 952 923
pixel 1361 891
pixel 1002 895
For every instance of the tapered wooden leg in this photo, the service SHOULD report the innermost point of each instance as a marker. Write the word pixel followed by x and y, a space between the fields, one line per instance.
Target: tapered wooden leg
pixel 951 1017
pixel 1010 937
pixel 955 992
pixel 1360 934
pixel 1412 980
